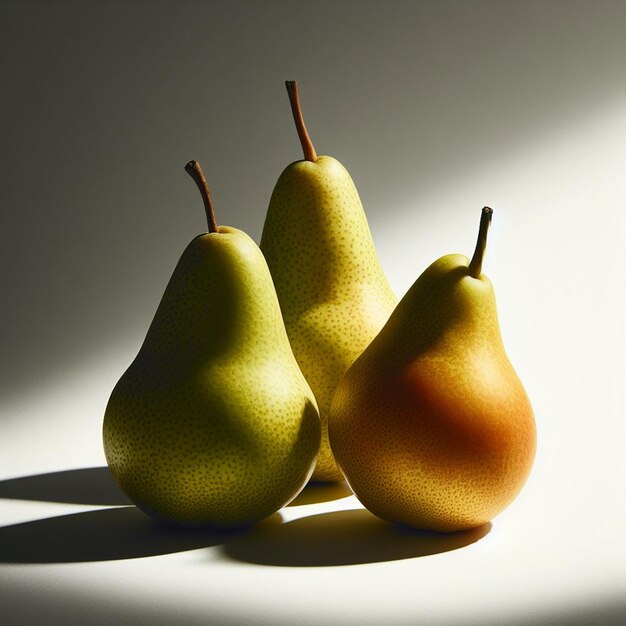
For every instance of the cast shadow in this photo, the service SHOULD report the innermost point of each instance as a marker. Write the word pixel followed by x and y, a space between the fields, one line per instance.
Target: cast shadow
pixel 102 535
pixel 316 492
pixel 349 537
pixel 89 485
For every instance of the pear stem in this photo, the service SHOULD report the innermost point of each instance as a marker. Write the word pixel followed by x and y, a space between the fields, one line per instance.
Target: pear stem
pixel 195 171
pixel 476 263
pixel 307 145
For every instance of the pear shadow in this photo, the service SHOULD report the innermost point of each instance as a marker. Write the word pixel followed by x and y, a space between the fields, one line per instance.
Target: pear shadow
pixel 104 535
pixel 89 485
pixel 316 492
pixel 349 537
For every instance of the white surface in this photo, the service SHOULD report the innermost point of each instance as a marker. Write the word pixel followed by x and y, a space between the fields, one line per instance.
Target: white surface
pixel 557 555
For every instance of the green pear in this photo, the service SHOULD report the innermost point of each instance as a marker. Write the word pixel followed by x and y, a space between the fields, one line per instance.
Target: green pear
pixel 213 424
pixel 332 290
pixel 431 425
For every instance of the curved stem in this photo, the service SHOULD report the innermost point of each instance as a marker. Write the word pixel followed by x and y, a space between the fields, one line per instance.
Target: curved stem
pixel 476 263
pixel 195 171
pixel 305 140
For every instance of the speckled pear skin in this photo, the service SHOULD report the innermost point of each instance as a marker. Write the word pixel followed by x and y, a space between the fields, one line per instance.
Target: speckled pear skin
pixel 431 425
pixel 332 290
pixel 213 424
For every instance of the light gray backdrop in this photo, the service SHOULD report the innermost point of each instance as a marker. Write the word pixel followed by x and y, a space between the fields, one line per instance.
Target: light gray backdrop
pixel 103 103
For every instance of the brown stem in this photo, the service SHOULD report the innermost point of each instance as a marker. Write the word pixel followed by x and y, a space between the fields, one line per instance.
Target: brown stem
pixel 476 263
pixel 195 171
pixel 305 140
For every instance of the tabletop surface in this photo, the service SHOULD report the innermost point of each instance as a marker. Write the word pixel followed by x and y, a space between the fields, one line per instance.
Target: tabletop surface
pixel 74 550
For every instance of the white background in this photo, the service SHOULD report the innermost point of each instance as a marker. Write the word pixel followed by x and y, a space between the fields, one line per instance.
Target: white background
pixel 436 109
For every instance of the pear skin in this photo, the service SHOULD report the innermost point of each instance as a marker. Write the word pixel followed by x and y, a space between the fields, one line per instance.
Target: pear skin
pixel 331 287
pixel 213 424
pixel 431 425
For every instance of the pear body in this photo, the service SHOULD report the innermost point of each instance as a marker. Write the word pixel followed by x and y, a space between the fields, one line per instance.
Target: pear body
pixel 431 425
pixel 213 424
pixel 332 290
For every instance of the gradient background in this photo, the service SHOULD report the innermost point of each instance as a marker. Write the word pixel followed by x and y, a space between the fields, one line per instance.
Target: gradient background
pixel 436 109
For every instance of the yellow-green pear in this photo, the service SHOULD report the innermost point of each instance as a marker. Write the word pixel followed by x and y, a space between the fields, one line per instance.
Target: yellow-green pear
pixel 213 424
pixel 332 290
pixel 431 425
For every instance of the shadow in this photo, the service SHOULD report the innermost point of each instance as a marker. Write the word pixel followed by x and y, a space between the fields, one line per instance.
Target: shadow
pixel 343 538
pixel 315 492
pixel 89 485
pixel 102 535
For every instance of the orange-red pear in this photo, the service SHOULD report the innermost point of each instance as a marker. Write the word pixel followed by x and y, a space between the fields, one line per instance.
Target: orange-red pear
pixel 431 425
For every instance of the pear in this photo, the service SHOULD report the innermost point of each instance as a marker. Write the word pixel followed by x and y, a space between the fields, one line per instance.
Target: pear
pixel 431 425
pixel 213 424
pixel 332 290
